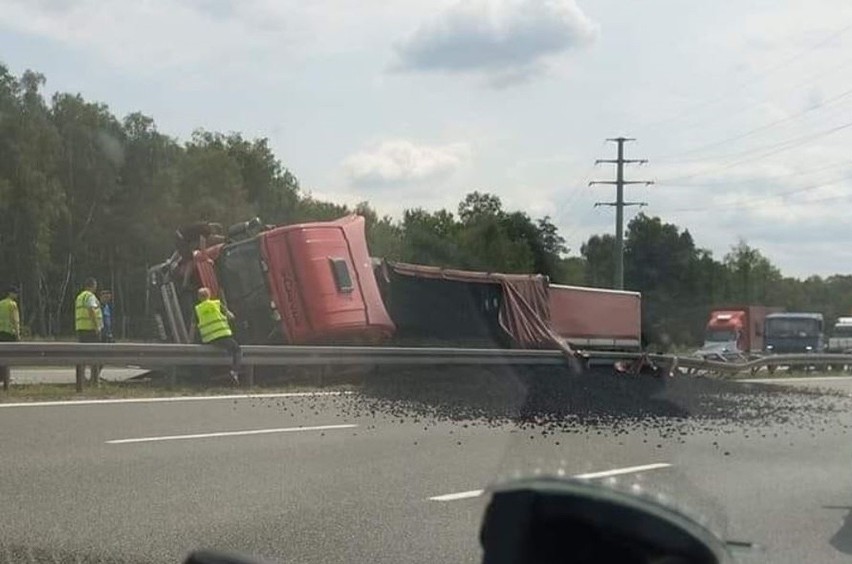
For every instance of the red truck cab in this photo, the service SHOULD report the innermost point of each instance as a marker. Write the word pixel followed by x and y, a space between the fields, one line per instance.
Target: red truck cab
pixel 728 327
pixel 736 330
pixel 304 283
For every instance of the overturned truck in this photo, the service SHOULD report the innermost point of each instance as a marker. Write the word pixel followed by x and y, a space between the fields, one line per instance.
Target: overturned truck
pixel 315 283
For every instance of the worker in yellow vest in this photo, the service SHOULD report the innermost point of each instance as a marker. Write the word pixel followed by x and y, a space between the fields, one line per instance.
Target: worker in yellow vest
pixel 10 326
pixel 88 320
pixel 212 320
pixel 10 316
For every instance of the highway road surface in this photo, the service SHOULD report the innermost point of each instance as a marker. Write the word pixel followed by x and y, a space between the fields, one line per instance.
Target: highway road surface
pixel 331 478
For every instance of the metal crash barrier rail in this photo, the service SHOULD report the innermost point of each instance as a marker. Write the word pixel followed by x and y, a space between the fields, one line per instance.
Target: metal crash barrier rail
pixel 150 355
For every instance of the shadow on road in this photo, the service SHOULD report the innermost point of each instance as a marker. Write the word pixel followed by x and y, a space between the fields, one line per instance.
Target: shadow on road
pixel 842 539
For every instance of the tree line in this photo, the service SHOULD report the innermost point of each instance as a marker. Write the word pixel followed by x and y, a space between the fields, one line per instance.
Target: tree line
pixel 86 193
pixel 681 282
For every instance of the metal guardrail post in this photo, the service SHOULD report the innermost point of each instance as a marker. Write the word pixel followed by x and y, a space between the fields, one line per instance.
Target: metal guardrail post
pixel 80 373
pixel 4 370
pixel 249 379
pixel 171 377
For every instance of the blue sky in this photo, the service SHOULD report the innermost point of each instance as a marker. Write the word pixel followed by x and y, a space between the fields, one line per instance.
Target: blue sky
pixel 740 107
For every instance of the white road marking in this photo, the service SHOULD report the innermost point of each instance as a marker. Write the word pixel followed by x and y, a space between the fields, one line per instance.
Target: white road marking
pixel 229 434
pixel 620 471
pixel 459 495
pixel 170 399
pixel 589 476
pixel 794 379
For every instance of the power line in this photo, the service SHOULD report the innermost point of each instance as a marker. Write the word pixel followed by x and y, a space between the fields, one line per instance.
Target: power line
pixel 559 213
pixel 754 202
pixel 619 204
pixel 575 194
pixel 773 149
pixel 580 184
pixel 831 166
pixel 807 81
pixel 736 86
pixel 825 103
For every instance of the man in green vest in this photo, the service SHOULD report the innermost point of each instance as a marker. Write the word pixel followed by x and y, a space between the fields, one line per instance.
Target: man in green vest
pixel 10 326
pixel 10 316
pixel 212 320
pixel 88 320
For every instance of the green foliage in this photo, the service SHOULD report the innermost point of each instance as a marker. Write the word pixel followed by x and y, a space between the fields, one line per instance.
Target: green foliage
pixel 83 193
pixel 599 253
pixel 681 283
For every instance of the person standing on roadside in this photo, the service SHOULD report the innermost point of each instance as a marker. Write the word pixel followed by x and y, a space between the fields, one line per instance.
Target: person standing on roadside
pixel 10 326
pixel 10 316
pixel 106 315
pixel 88 320
pixel 212 320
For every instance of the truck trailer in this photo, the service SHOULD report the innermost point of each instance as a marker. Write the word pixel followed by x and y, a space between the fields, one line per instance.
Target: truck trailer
pixel 596 318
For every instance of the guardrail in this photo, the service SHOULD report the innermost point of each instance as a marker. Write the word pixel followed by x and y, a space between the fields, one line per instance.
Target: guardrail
pixel 150 355
pixel 169 356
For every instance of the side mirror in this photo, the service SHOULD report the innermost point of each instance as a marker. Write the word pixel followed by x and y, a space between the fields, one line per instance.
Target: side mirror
pixel 212 557
pixel 548 520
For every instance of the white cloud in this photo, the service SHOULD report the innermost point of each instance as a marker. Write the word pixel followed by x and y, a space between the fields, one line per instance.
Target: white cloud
pixel 506 40
pixel 401 161
pixel 151 36
pixel 140 36
pixel 194 36
pixel 699 73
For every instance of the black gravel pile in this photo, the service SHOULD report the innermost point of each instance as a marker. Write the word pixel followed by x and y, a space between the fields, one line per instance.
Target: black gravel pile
pixel 559 399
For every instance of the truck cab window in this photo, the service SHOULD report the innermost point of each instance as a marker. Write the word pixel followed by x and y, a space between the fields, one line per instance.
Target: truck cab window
pixel 340 271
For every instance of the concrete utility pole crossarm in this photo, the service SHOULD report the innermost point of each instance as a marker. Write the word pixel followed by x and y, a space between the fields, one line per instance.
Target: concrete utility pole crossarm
pixel 619 203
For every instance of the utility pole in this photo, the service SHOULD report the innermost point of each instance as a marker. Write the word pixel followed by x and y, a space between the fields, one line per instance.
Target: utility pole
pixel 619 203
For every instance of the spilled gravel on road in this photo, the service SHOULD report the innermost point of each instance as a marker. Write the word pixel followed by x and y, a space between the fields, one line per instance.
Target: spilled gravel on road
pixel 559 400
pixel 549 400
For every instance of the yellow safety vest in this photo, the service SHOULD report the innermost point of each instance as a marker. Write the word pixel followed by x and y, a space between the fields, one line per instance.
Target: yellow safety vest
pixel 82 319
pixel 212 323
pixel 8 309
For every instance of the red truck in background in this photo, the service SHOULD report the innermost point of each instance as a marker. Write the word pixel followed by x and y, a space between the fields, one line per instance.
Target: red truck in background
pixel 596 318
pixel 735 331
pixel 315 283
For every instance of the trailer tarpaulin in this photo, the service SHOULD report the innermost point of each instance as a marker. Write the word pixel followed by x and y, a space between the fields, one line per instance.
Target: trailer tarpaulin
pixel 524 306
